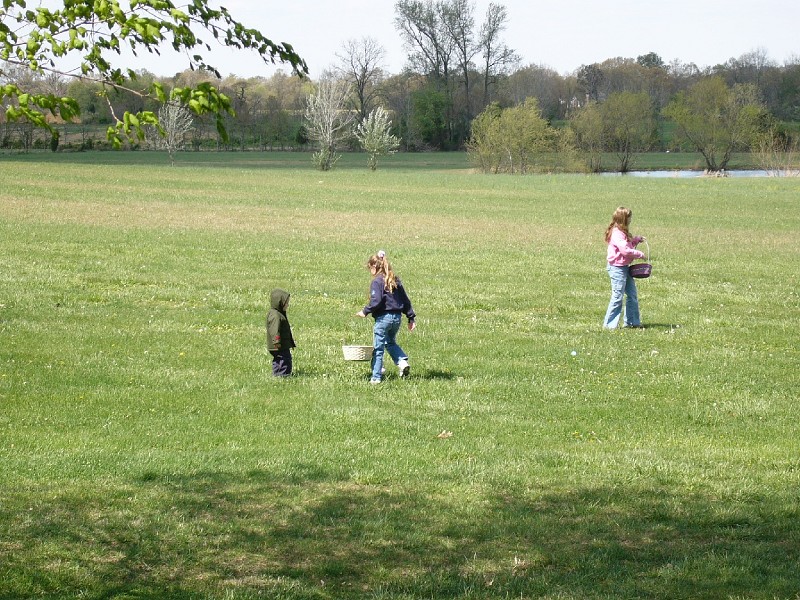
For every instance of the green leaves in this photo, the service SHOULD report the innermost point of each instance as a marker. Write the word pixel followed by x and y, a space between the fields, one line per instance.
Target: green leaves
pixel 203 99
pixel 34 38
pixel 179 16
pixel 512 140
pixel 716 119
pixel 32 107
pixel 130 127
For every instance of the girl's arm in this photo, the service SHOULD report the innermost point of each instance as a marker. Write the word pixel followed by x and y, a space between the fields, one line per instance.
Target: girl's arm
pixel 625 247
pixel 408 310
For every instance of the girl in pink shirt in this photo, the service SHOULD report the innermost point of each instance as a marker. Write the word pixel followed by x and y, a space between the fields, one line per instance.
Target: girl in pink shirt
pixel 621 252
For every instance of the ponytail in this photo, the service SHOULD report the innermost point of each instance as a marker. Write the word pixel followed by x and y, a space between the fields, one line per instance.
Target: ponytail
pixel 383 267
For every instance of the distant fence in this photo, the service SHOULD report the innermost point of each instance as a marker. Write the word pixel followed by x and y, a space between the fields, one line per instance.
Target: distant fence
pixel 25 137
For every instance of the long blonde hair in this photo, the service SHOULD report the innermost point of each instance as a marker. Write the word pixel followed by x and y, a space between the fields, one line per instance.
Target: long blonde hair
pixel 620 219
pixel 382 267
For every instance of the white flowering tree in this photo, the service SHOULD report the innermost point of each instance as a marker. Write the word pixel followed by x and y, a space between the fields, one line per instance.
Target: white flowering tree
pixel 374 135
pixel 175 122
pixel 327 120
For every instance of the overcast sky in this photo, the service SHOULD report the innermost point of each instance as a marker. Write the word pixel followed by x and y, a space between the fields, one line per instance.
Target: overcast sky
pixel 563 34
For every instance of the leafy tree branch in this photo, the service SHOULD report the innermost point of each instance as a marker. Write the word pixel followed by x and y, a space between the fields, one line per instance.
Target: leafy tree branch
pixel 40 38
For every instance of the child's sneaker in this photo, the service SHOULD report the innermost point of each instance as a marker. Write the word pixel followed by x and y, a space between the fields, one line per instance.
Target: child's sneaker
pixel 374 381
pixel 404 367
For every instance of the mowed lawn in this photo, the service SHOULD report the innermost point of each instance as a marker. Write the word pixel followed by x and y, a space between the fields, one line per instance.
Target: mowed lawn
pixel 146 451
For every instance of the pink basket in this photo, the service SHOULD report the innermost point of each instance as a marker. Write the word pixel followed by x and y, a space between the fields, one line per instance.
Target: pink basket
pixel 644 269
pixel 641 270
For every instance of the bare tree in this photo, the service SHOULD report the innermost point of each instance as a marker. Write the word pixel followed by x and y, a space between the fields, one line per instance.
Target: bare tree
pixel 431 52
pixel 327 119
pixel 497 57
pixel 458 21
pixel 44 82
pixel 431 49
pixel 752 66
pixel 361 63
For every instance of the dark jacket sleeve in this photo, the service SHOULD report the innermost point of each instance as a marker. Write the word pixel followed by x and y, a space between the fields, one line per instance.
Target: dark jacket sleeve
pixel 408 310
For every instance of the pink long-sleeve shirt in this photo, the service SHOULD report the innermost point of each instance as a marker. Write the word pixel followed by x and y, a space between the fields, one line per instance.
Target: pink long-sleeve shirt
pixel 621 251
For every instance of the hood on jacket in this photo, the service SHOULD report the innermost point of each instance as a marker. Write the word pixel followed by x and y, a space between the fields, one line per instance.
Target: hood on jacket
pixel 278 299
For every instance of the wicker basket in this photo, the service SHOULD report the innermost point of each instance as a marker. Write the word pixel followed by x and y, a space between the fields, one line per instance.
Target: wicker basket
pixel 642 270
pixel 357 352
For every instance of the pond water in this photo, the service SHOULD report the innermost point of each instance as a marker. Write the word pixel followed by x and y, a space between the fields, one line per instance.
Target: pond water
pixel 687 173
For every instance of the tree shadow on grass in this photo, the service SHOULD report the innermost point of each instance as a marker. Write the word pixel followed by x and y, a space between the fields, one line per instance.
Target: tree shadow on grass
pixel 313 535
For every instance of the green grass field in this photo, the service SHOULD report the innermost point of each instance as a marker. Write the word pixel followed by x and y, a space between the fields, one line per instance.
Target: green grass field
pixel 146 451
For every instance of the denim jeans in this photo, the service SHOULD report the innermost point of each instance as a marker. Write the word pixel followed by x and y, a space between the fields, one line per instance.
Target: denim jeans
pixel 384 335
pixel 622 284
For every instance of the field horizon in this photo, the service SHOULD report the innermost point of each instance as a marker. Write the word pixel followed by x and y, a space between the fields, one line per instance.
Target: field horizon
pixel 349 160
pixel 147 452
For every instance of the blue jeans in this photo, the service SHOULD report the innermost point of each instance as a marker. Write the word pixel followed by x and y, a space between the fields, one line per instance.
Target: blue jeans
pixel 384 335
pixel 622 284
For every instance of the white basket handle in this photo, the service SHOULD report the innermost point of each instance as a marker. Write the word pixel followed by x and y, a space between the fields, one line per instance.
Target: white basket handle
pixel 647 257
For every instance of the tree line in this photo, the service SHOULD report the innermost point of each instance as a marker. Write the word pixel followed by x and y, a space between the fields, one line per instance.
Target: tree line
pixel 458 68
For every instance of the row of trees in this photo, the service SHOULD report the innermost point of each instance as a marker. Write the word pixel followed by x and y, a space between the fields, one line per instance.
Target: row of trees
pixel 269 111
pixel 457 66
pixel 710 118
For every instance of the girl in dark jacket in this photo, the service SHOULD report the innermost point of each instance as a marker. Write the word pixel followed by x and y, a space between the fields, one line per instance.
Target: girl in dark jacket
pixel 388 301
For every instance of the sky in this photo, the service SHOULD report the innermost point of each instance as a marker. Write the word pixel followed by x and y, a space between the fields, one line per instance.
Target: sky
pixel 560 34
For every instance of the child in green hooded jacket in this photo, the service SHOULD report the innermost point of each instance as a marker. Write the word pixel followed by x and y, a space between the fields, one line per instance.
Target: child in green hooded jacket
pixel 279 334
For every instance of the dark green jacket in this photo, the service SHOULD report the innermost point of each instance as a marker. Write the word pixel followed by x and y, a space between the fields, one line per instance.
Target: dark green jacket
pixel 279 333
